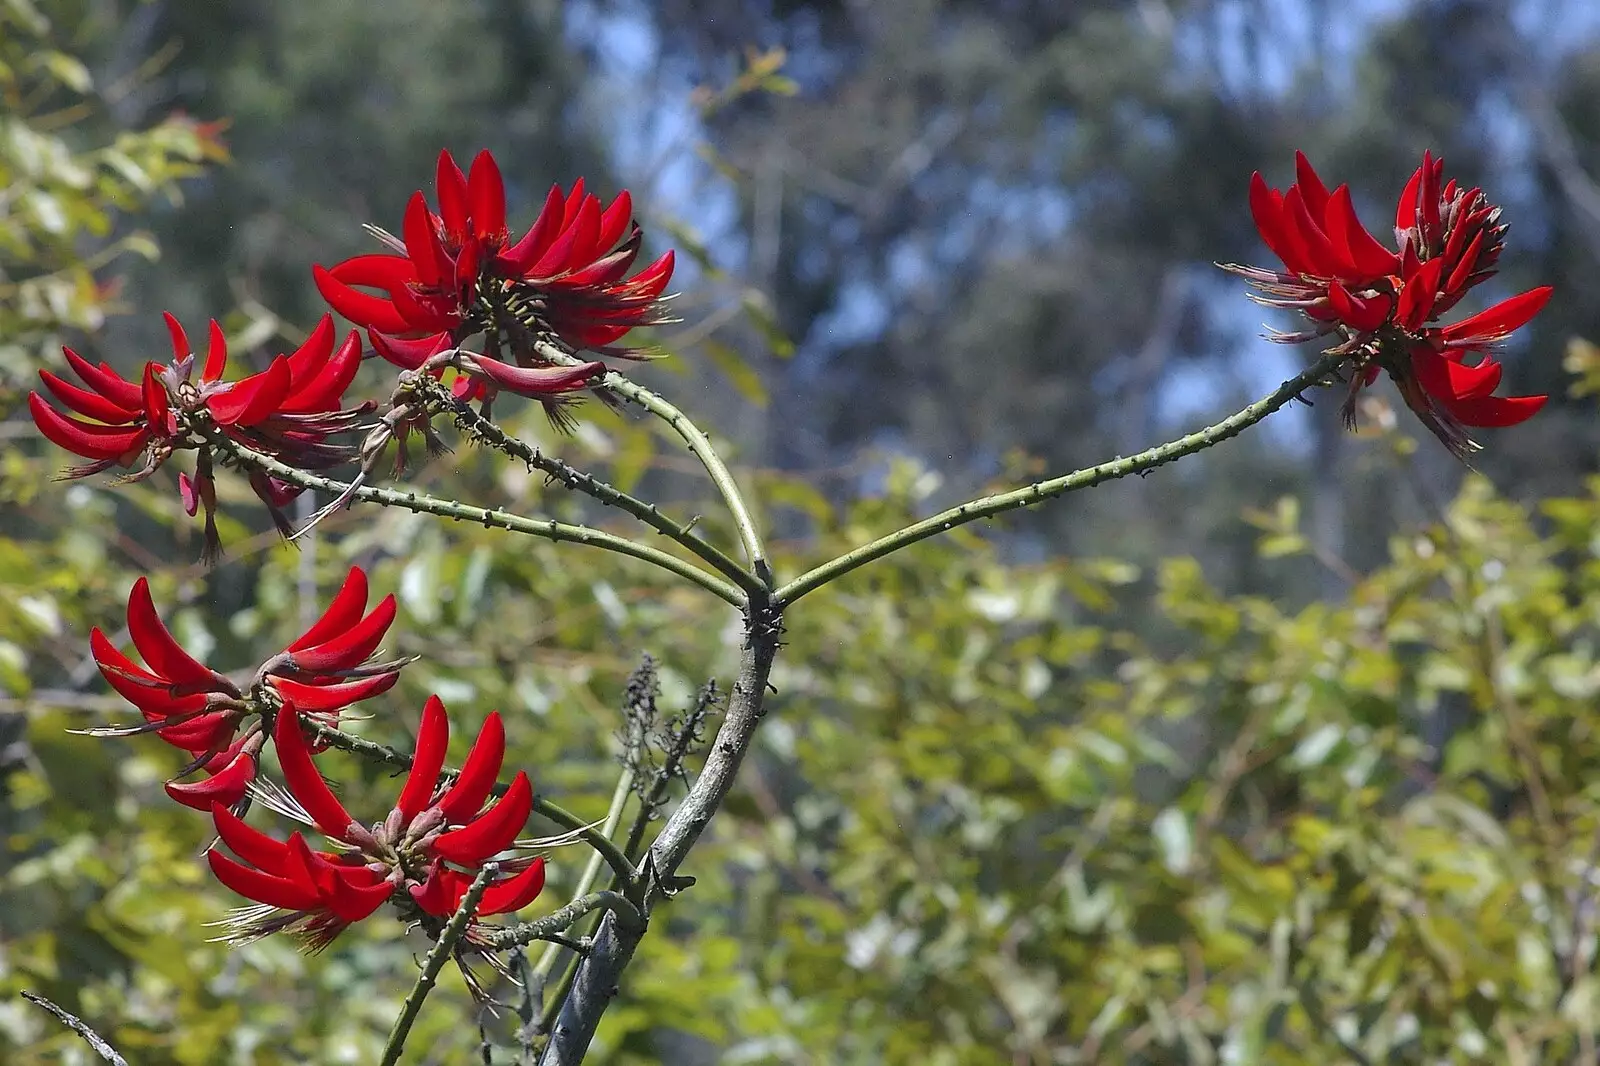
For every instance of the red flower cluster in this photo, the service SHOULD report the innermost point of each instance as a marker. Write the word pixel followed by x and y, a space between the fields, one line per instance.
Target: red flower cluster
pixel 457 273
pixel 195 708
pixel 421 856
pixel 287 411
pixel 1383 304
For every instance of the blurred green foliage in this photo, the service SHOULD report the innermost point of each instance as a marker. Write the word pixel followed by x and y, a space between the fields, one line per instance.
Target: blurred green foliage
pixel 990 819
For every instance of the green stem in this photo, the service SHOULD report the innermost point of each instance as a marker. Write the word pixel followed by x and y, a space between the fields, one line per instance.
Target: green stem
pixel 558 921
pixel 600 840
pixel 989 506
pixel 488 517
pixel 591 873
pixel 699 446
pixel 487 432
pixel 442 949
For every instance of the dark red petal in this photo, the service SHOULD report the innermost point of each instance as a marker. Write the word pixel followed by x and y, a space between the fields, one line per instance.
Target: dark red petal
pixel 1312 191
pixel 614 223
pixel 1371 259
pixel 302 779
pixel 440 894
pixel 451 185
pixel 249 843
pixel 226 786
pixel 422 242
pixel 1405 215
pixel 519 257
pixel 1503 318
pixel 88 403
pixel 158 647
pixel 1494 412
pixel 263 888
pixel 1450 381
pixel 465 796
pixel 1457 281
pixel 155 400
pixel 343 611
pixel 326 391
pixel 513 894
pixel 433 740
pixel 359 307
pixel 253 399
pixel 1418 295
pixel 320 699
pixel 125 394
pixel 350 902
pixel 408 354
pixel 216 354
pixel 84 438
pixel 576 239
pixel 1364 314
pixel 537 380
pixel 352 647
pixel 493 830
pixel 486 198
pixel 307 361
pixel 1325 260
pixel 180 339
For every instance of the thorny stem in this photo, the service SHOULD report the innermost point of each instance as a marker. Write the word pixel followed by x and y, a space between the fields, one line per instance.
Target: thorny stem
pixel 624 877
pixel 485 516
pixel 989 506
pixel 699 446
pixel 77 1025
pixel 489 433
pixel 595 982
pixel 370 749
pixel 442 949
pixel 565 918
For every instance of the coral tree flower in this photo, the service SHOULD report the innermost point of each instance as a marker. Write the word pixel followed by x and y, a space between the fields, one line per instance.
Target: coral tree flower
pixel 194 708
pixel 423 856
pixel 457 273
pixel 287 411
pixel 1384 305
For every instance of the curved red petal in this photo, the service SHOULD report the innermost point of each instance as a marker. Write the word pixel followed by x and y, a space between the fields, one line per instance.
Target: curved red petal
pixel 493 830
pixel 433 740
pixel 307 361
pixel 451 186
pixel 249 843
pixel 465 796
pixel 180 339
pixel 120 391
pixel 159 648
pixel 216 353
pixel 1370 258
pixel 422 242
pixel 519 257
pixel 156 404
pixel 84 438
pixel 343 611
pixel 301 777
pixel 261 887
pixel 352 647
pixel 537 381
pixel 326 391
pixel 406 353
pixel 226 787
pixel 361 308
pixel 1312 191
pixel 515 893
pixel 253 399
pixel 486 199
pixel 1493 412
pixel 321 699
pixel 88 403
pixel 1502 319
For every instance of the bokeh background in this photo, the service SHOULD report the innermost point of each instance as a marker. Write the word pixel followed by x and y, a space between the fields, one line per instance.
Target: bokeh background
pixel 1282 755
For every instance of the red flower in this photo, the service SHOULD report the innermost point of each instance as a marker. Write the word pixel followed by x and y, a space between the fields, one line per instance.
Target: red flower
pixel 197 709
pixel 1382 303
pixel 422 856
pixel 457 273
pixel 287 411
